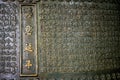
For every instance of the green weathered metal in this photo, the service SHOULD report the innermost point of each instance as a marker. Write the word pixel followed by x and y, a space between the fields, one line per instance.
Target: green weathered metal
pixel 59 40
pixel 78 40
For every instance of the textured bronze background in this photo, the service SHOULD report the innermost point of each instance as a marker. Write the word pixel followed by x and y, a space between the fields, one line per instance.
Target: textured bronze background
pixel 9 40
pixel 77 39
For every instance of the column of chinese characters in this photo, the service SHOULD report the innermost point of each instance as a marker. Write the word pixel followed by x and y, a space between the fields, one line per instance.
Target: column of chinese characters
pixel 28 14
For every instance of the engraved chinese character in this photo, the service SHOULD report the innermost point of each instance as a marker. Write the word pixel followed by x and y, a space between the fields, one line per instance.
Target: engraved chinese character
pixel 29 47
pixel 28 30
pixel 28 12
pixel 28 64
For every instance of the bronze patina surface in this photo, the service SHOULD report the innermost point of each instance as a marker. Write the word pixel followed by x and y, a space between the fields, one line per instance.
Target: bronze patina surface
pixel 59 40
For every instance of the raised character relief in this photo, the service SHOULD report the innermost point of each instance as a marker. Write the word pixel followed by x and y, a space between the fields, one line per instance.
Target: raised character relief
pixel 28 12
pixel 28 30
pixel 29 47
pixel 28 64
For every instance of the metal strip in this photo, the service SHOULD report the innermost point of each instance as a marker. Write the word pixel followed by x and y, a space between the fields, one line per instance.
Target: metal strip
pixel 28 61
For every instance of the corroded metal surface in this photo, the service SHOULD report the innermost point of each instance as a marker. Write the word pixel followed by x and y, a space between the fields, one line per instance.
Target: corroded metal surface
pixel 9 28
pixel 75 39
pixel 78 37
